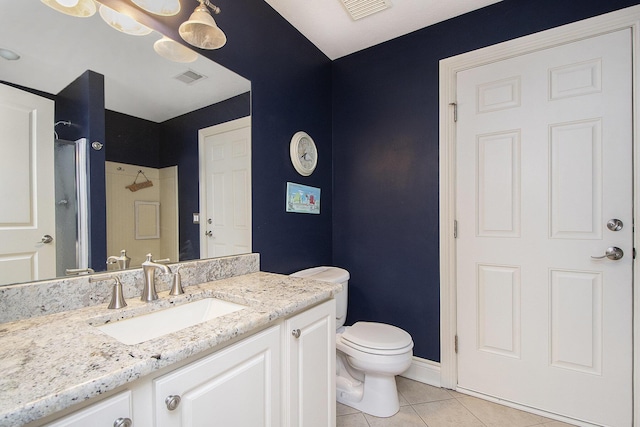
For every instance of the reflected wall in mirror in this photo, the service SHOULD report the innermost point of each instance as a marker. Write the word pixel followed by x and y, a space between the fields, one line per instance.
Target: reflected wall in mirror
pixel 111 88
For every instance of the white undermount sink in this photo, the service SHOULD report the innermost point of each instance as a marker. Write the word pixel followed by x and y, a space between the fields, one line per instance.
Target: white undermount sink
pixel 153 325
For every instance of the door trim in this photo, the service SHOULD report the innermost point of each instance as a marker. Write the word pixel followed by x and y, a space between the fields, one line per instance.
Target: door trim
pixel 618 20
pixel 202 196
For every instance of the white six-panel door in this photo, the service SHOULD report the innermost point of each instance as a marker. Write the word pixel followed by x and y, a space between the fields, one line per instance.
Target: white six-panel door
pixel 544 160
pixel 225 193
pixel 26 187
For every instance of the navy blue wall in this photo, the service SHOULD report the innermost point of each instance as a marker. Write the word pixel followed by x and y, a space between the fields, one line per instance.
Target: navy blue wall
pixel 132 140
pixel 385 147
pixel 82 102
pixel 291 91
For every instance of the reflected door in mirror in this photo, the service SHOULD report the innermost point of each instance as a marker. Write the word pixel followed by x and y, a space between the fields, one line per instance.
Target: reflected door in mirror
pixel 225 199
pixel 27 191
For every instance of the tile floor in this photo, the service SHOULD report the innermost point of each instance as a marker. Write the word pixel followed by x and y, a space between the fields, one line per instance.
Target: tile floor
pixel 422 405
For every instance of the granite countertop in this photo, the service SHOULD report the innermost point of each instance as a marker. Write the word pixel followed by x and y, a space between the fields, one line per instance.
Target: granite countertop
pixel 52 362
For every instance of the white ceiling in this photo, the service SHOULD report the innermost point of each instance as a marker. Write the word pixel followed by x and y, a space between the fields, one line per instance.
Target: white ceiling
pixel 55 49
pixel 327 24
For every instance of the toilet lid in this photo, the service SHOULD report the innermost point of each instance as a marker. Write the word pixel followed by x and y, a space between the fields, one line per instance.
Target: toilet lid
pixel 378 336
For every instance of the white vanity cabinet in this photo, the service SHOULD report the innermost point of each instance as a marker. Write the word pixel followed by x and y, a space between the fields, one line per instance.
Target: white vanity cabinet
pixel 114 411
pixel 238 386
pixel 281 376
pixel 309 368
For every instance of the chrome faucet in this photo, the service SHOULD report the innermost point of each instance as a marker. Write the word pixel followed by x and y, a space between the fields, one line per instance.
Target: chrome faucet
pixel 123 260
pixel 149 268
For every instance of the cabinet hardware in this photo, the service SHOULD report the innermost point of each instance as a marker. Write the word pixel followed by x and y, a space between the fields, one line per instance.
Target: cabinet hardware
pixel 172 402
pixel 296 333
pixel 122 422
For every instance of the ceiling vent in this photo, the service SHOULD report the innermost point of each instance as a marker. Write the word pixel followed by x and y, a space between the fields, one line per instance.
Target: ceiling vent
pixel 358 9
pixel 190 77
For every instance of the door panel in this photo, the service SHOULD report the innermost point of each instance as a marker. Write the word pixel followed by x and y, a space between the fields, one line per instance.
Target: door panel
pixel 27 190
pixel 226 225
pixel 544 151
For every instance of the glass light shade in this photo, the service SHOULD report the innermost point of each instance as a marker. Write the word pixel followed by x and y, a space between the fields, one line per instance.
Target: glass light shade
pixel 201 30
pixel 174 51
pixel 68 3
pixel 122 22
pixel 82 8
pixel 159 7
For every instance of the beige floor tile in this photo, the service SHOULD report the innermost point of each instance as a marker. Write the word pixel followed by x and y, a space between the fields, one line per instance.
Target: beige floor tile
pixel 351 420
pixel 416 392
pixel 556 424
pixel 406 417
pixel 446 413
pixel 344 409
pixel 494 415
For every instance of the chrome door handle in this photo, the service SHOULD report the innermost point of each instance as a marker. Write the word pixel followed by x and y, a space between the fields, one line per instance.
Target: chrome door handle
pixel 613 253
pixel 46 239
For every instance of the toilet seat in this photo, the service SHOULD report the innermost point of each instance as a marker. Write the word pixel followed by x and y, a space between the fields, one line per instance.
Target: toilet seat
pixel 376 338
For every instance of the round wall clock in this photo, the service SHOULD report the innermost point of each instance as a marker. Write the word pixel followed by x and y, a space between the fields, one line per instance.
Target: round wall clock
pixel 304 154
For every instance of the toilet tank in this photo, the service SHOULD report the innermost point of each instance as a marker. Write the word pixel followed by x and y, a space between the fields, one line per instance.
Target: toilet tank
pixel 333 275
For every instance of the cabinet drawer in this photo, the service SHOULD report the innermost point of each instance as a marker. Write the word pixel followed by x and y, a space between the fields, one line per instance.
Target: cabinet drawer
pixel 236 387
pixel 101 414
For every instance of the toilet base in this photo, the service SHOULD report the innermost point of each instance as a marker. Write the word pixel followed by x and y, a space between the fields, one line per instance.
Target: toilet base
pixel 379 395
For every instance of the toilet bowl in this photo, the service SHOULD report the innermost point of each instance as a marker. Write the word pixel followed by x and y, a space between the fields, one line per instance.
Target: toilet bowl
pixel 368 355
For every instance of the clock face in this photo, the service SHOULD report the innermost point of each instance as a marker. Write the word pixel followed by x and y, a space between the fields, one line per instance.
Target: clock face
pixel 304 154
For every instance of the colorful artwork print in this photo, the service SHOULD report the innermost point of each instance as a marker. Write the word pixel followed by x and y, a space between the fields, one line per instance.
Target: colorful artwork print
pixel 302 199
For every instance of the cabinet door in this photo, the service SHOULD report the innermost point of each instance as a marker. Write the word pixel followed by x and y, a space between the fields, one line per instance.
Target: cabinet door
pixel 235 387
pixel 310 368
pixel 101 414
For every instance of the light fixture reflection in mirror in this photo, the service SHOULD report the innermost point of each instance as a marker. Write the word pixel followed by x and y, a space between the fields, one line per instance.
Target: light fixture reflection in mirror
pixel 201 29
pixel 81 8
pixel 174 51
pixel 122 22
pixel 159 7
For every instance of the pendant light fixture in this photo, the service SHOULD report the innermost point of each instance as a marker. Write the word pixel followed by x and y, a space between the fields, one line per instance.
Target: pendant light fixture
pixel 201 30
pixel 122 22
pixel 159 7
pixel 174 51
pixel 80 8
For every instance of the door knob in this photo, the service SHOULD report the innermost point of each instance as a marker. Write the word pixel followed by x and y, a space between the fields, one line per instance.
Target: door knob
pixel 613 253
pixel 209 233
pixel 46 239
pixel 296 333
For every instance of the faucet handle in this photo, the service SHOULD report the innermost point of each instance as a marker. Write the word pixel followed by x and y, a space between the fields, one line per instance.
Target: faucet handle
pixel 117 296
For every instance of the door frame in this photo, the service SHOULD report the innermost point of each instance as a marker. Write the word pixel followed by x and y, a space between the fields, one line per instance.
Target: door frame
pixel 202 196
pixel 613 21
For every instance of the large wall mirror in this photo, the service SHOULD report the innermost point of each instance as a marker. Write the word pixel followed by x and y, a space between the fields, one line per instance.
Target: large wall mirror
pixel 153 111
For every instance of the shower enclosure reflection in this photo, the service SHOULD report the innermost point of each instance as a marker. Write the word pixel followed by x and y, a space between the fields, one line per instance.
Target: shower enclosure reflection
pixel 70 166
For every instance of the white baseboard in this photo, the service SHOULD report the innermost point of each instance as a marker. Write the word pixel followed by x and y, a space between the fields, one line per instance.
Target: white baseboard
pixel 424 371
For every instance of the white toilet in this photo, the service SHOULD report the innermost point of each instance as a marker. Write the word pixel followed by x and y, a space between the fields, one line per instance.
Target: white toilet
pixel 369 355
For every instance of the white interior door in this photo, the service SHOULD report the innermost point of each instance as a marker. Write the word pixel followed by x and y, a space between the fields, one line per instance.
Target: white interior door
pixel 225 192
pixel 27 190
pixel 544 161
